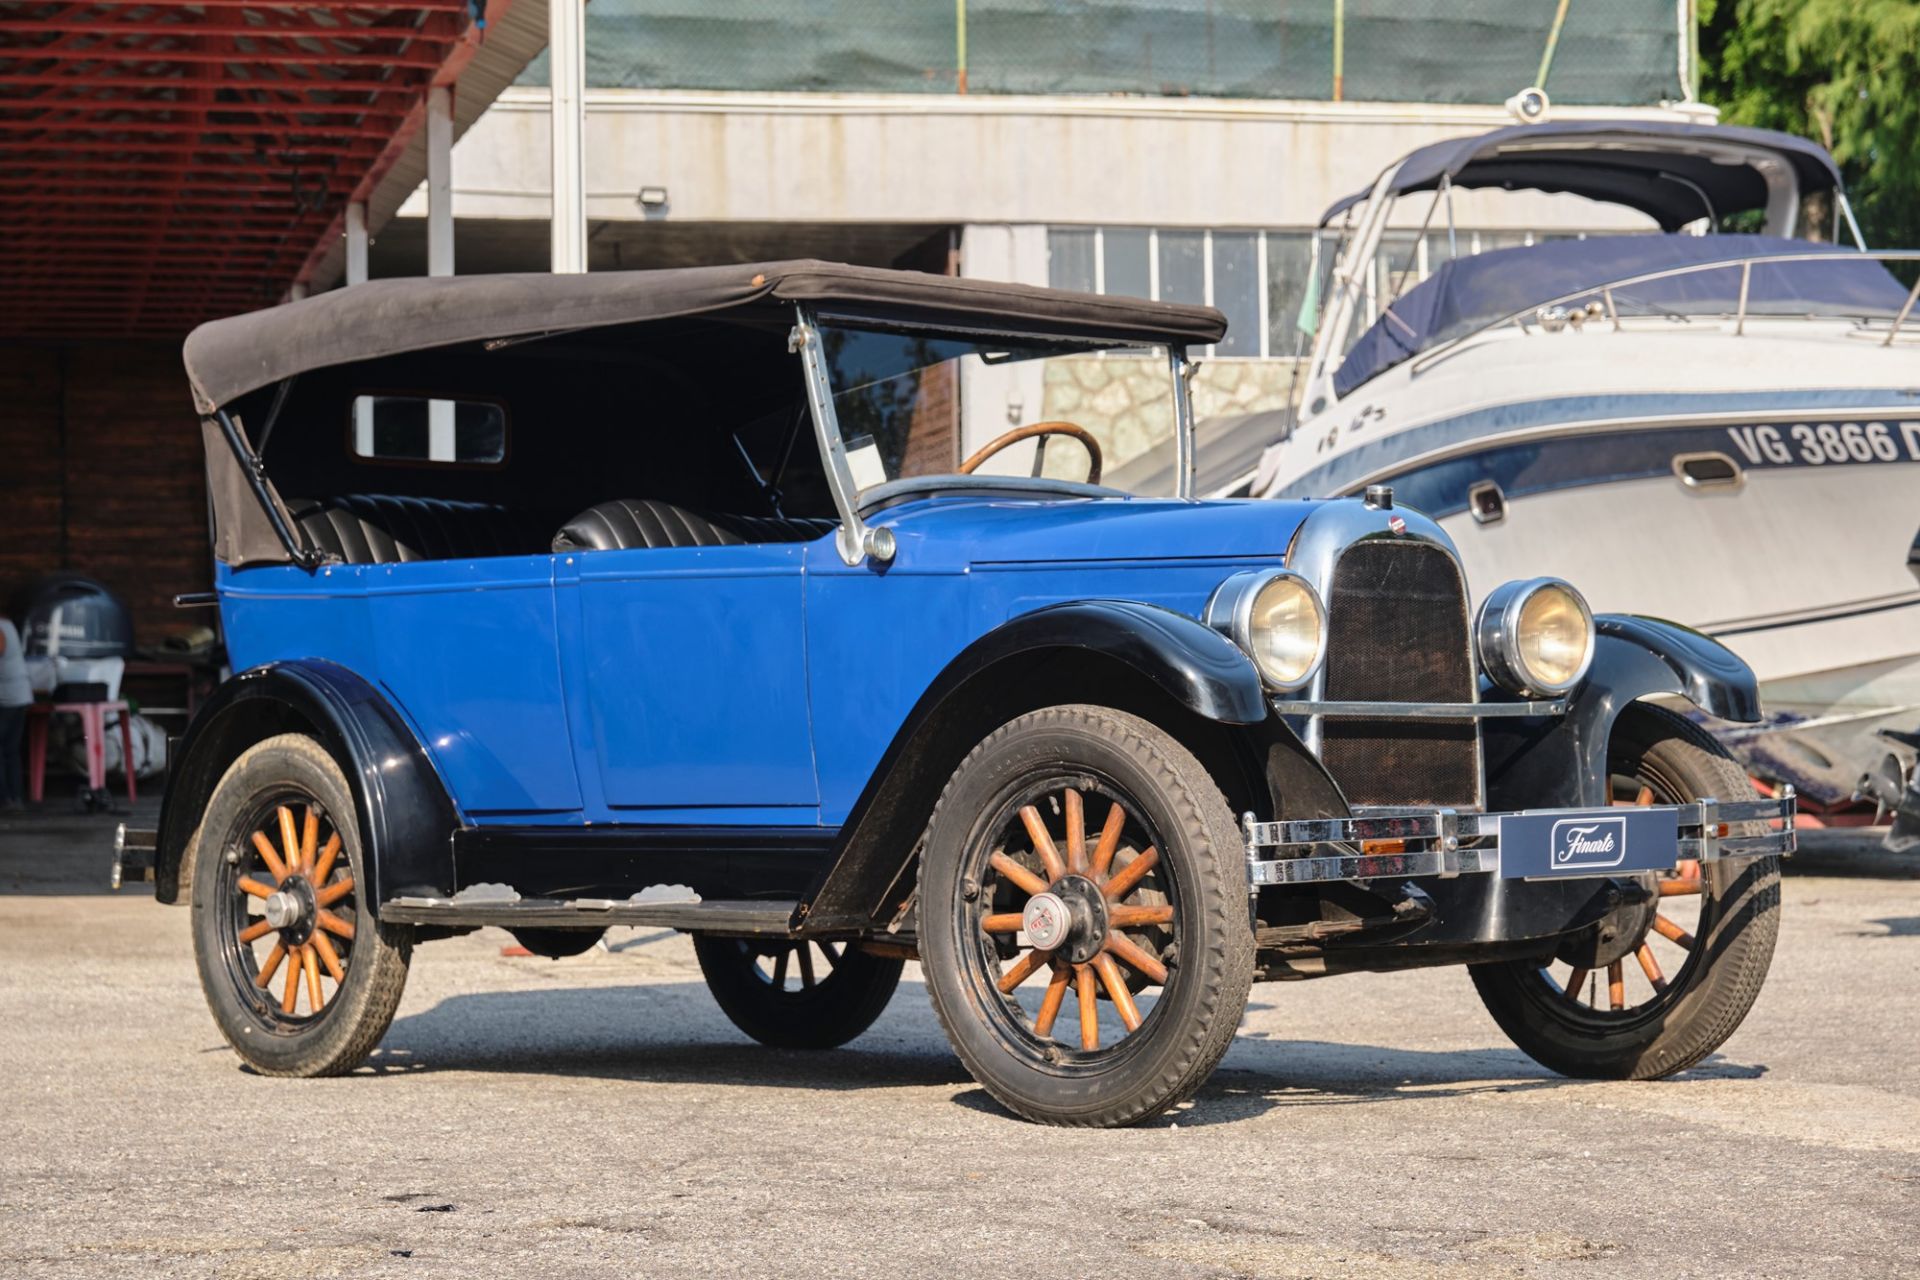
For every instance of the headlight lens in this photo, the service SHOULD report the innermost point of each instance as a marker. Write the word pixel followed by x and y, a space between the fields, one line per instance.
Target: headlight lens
pixel 1283 631
pixel 1536 637
pixel 1276 618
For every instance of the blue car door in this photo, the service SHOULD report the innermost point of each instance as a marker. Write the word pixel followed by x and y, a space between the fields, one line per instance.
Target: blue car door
pixel 686 683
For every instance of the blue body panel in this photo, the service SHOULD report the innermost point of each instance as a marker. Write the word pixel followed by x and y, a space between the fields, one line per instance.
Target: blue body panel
pixel 729 685
pixel 466 649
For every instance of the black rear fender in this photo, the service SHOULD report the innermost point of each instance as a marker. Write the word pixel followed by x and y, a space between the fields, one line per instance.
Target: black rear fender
pixel 406 817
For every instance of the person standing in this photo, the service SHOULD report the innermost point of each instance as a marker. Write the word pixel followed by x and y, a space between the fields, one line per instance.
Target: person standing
pixel 16 695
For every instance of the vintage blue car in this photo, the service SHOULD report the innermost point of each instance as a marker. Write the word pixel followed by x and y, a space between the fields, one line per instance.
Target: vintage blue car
pixel 665 598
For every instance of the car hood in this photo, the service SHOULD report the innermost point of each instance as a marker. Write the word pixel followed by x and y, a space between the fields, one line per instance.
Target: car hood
pixel 960 531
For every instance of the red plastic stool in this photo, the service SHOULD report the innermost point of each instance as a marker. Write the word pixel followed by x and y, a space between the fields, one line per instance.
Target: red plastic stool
pixel 93 727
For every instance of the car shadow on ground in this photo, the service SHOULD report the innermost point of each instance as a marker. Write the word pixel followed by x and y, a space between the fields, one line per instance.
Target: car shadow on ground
pixel 670 1033
pixel 664 1033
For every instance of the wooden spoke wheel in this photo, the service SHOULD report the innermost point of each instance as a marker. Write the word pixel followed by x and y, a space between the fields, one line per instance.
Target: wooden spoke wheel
pixel 797 994
pixel 1082 928
pixel 300 977
pixel 1080 912
pixel 1665 979
pixel 291 906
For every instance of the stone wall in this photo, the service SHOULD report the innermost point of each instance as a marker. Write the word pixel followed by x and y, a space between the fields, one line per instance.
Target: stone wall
pixel 1124 400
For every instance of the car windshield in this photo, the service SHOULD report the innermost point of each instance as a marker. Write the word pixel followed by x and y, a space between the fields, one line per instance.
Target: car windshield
pixel 914 405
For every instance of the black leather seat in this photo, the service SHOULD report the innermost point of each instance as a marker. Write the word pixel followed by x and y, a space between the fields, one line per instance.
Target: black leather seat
pixel 626 523
pixel 372 528
pixel 629 523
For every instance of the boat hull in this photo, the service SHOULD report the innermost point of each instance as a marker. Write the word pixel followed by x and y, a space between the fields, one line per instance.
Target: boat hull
pixel 1799 571
pixel 1798 561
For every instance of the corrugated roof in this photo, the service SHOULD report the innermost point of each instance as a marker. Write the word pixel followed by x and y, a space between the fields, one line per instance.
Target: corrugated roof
pixel 163 162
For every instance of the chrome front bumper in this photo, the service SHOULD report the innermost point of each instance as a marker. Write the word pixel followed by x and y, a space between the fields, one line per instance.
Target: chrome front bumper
pixel 1404 843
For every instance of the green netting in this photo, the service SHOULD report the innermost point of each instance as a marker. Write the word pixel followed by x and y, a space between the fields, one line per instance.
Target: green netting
pixel 1608 52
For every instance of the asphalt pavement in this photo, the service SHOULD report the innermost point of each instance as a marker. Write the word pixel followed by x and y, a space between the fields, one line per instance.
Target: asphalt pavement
pixel 599 1117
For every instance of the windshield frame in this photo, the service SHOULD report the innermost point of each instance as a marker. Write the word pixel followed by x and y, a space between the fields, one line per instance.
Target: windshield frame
pixel 856 540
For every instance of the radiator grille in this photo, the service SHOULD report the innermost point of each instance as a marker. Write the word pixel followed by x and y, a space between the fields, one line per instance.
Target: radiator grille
pixel 1398 632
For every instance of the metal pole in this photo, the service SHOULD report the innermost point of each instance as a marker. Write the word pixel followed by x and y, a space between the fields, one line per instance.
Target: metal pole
pixel 1913 295
pixel 357 274
pixel 567 42
pixel 440 181
pixel 357 242
pixel 441 445
pixel 1553 42
pixel 960 44
pixel 1182 370
pixel 1339 50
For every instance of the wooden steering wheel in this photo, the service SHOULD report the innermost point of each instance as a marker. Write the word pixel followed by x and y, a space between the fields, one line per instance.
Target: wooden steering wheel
pixel 1042 429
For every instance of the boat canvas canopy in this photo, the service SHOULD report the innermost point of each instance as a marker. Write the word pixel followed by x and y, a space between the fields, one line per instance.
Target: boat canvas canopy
pixel 1672 172
pixel 1466 294
pixel 227 359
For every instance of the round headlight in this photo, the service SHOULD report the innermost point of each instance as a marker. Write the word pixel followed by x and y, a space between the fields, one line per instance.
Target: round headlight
pixel 1276 618
pixel 1535 637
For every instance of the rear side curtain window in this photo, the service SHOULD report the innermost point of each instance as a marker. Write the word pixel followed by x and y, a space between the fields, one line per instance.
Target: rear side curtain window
pixel 420 429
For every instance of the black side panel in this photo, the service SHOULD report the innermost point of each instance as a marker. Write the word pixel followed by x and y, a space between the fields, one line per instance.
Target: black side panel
pixel 1196 667
pixel 1534 764
pixel 406 817
pixel 617 862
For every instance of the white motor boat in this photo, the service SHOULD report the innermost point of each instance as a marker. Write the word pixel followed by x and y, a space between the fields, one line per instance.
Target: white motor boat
pixel 1749 403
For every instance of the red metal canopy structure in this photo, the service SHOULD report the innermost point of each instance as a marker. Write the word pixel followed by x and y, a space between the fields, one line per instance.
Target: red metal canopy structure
pixel 163 162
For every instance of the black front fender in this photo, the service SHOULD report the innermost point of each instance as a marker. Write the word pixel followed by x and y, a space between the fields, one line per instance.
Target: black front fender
pixel 1190 661
pixel 1538 763
pixel 1186 661
pixel 405 816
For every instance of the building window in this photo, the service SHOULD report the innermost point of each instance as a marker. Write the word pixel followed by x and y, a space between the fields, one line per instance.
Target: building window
pixel 1261 280
pixel 1126 257
pixel 1236 291
pixel 1070 259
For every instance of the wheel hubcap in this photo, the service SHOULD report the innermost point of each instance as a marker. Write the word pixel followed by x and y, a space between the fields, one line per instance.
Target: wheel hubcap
pixel 1046 920
pixel 283 909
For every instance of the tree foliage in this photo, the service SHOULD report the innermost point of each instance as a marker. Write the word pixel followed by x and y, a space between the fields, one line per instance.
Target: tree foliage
pixel 1843 72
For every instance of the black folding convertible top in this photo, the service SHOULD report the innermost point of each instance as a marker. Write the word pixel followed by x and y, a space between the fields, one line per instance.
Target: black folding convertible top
pixel 228 358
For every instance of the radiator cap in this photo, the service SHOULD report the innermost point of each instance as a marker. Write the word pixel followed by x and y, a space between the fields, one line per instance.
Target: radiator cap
pixel 1380 497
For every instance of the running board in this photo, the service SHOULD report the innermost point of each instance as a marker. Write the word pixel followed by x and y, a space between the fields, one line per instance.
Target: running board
pixel 728 917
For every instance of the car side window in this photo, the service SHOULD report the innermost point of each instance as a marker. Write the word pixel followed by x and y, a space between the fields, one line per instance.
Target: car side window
pixel 422 429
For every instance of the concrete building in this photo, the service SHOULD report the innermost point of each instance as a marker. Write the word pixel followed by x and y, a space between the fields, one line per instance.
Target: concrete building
pixel 1173 150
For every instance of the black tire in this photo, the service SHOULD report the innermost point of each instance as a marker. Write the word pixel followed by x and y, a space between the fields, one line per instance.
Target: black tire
pixel 1729 949
pixel 340 1030
pixel 837 990
pixel 1170 804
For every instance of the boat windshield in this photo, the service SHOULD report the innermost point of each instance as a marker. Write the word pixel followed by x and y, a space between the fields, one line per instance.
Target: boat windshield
pixel 918 406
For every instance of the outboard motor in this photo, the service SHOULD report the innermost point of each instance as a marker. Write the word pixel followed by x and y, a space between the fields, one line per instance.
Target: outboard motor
pixel 69 615
pixel 76 635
